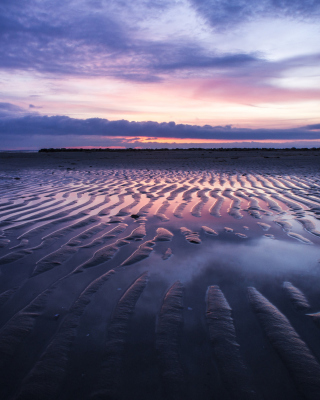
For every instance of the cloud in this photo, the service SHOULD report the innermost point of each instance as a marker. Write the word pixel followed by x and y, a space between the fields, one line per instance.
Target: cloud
pixel 194 58
pixel 313 127
pixel 9 110
pixel 62 126
pixel 105 39
pixel 225 14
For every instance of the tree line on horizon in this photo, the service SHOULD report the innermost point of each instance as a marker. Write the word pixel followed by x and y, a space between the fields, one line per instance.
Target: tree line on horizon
pixel 65 149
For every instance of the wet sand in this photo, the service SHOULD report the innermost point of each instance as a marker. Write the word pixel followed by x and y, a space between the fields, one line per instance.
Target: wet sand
pixel 161 274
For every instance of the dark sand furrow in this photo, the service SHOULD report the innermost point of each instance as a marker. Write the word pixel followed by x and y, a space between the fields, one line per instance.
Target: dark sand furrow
pixel 253 207
pixel 309 226
pixel 287 202
pixel 296 297
pixel 276 183
pixel 127 210
pixel 216 207
pixel 33 216
pixel 5 296
pixel 45 379
pixel 264 226
pixel 222 179
pixel 254 214
pixel 293 351
pixel 167 254
pixel 264 182
pixel 163 235
pixel 160 213
pixel 166 189
pixel 302 183
pixel 179 210
pixel 273 205
pixel 168 334
pixel 203 180
pixel 57 218
pixel 5 203
pixel 311 196
pixel 252 180
pixel 138 233
pixel 146 248
pixel 102 202
pixel 16 330
pixel 162 217
pixel 299 237
pixel 108 383
pixel 102 255
pixel 235 207
pixel 192 181
pixel 60 233
pixel 232 181
pixel 106 236
pixel 197 208
pixel 299 198
pixel 187 196
pixel 143 189
pixel 106 211
pixel 54 259
pixel 87 234
pixel 288 183
pixel 16 206
pixel 241 180
pixel 4 242
pixel 145 209
pixel 191 237
pixel 175 192
pixel 209 231
pixel 254 204
pixel 20 207
pixel 143 251
pixel 212 179
pixel 31 209
pixel 15 256
pixel 233 371
pixel 47 240
pixel 154 189
pixel 287 227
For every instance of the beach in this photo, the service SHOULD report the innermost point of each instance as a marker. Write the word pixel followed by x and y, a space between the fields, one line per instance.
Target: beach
pixel 162 274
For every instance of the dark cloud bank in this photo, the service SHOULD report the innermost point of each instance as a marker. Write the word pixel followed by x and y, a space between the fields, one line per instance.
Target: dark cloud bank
pixel 63 131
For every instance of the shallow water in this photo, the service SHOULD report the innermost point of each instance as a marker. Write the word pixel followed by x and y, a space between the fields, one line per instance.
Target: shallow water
pixel 214 304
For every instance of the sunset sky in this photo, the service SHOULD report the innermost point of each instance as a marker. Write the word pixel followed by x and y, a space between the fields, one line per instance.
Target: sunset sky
pixel 159 73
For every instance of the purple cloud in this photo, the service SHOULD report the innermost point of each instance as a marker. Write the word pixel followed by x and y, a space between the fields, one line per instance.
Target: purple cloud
pixel 224 14
pixel 62 126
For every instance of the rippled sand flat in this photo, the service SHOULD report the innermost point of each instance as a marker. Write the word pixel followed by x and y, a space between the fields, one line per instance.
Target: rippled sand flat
pixel 160 275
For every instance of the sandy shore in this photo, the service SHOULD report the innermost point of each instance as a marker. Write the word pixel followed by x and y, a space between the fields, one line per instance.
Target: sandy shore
pixel 286 160
pixel 163 275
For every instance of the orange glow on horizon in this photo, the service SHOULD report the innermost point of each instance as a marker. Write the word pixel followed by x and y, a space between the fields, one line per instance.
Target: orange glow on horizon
pixel 213 141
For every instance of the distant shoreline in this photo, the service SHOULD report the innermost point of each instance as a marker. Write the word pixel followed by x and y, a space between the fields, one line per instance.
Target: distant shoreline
pixel 58 150
pixel 289 161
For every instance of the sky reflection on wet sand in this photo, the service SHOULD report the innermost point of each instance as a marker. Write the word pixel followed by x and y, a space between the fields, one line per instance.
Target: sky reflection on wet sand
pixel 72 228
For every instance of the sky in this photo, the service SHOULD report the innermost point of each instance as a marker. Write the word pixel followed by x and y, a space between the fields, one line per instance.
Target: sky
pixel 159 73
